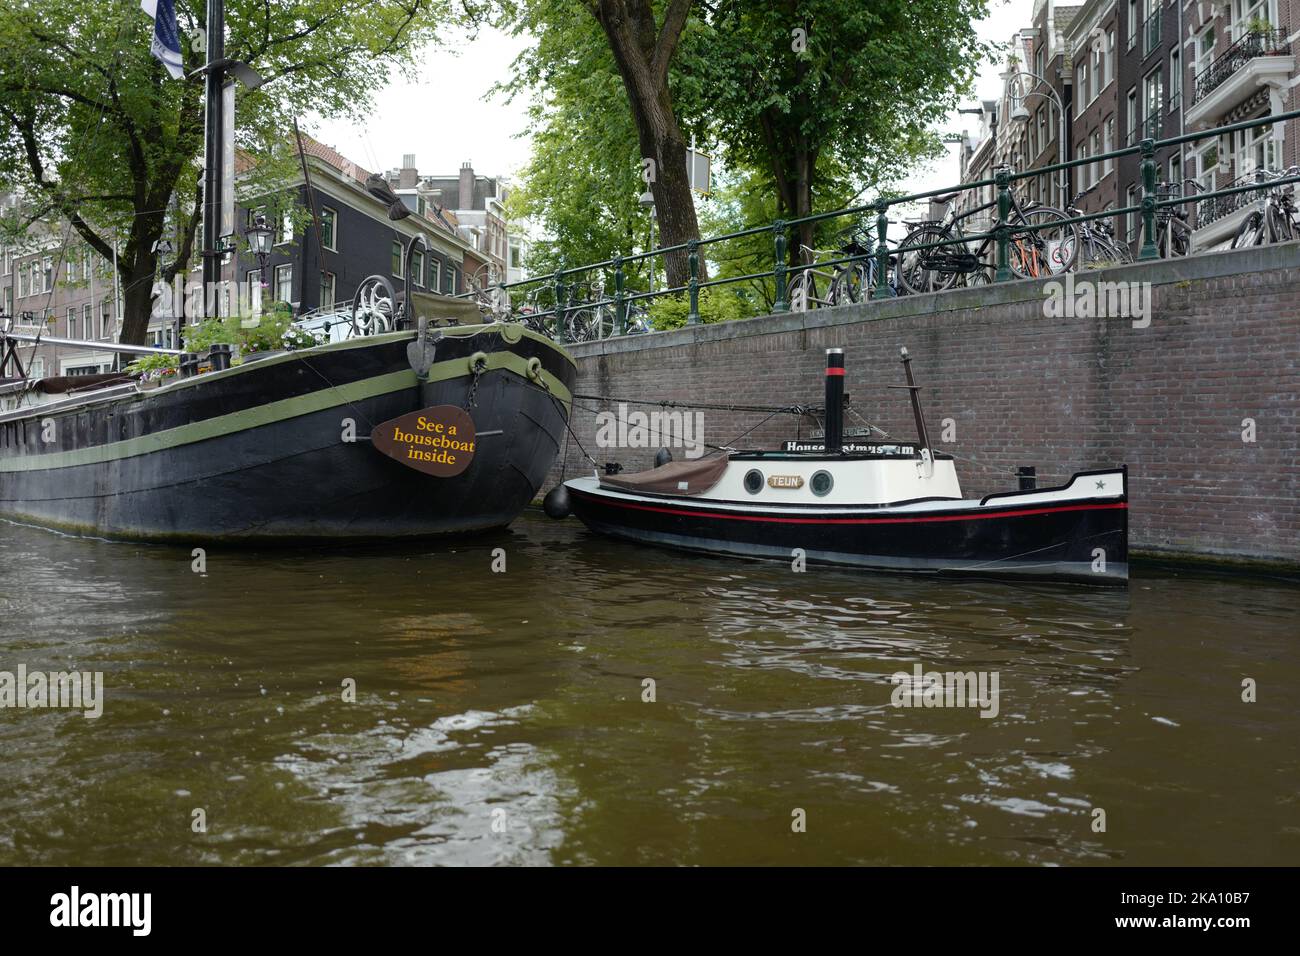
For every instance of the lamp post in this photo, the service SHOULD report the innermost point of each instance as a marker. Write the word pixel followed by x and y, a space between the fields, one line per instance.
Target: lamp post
pixel 1021 115
pixel 647 201
pixel 259 243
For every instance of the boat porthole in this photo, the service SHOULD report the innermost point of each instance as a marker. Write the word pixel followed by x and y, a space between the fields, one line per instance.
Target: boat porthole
pixel 821 483
pixel 753 481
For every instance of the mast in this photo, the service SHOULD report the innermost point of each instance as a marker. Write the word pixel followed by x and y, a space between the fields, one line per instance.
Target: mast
pixel 914 390
pixel 213 151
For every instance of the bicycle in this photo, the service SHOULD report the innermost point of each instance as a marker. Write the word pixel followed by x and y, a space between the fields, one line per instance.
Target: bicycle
pixel 1041 242
pixel 589 322
pixel 850 282
pixel 1276 221
pixel 1173 231
pixel 1097 242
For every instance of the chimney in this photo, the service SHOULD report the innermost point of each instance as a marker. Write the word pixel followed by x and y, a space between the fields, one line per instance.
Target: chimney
pixel 408 176
pixel 466 186
pixel 834 430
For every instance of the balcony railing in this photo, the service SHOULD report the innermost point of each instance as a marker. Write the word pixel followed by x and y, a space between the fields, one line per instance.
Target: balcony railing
pixel 1208 210
pixel 1151 33
pixel 1251 45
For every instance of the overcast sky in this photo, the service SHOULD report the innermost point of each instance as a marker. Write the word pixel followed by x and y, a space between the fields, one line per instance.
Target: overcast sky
pixel 445 117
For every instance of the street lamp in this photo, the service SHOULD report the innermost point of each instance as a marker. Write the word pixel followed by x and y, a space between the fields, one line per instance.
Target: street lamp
pixel 259 242
pixel 647 201
pixel 1020 115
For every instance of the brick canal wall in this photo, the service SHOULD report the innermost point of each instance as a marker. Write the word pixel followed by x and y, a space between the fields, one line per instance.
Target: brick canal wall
pixel 1063 394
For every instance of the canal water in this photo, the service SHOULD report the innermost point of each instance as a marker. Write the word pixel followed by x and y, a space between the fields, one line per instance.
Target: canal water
pixel 503 717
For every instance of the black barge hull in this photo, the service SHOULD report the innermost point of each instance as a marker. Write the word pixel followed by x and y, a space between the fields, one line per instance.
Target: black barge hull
pixel 278 450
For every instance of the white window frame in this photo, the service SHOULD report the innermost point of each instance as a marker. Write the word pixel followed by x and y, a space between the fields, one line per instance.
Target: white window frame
pixel 332 243
pixel 417 269
pixel 328 280
pixel 284 269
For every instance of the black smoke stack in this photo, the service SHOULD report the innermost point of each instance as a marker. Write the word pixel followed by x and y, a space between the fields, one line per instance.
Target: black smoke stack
pixel 834 401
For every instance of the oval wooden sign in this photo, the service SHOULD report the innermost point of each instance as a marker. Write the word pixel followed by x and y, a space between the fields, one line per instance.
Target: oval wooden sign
pixel 438 441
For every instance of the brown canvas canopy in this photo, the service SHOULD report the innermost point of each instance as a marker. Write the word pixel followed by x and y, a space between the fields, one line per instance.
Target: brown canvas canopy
pixel 675 478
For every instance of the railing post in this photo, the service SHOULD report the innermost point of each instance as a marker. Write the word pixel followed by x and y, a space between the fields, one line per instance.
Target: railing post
pixel 883 289
pixel 693 261
pixel 620 304
pixel 1003 179
pixel 559 305
pixel 778 230
pixel 1149 250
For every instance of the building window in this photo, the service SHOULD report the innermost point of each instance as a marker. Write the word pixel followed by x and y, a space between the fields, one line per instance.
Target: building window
pixel 104 320
pixel 254 280
pixel 6 260
pixel 70 269
pixel 1098 70
pixel 1176 171
pixel 328 225
pixel 72 322
pixel 435 274
pixel 47 274
pixel 1153 98
pixel 397 260
pixel 284 283
pixel 1081 171
pixel 1130 218
pixel 1249 16
pixel 516 260
pixel 286 228
pixel 328 283
pixel 1132 23
pixel 22 280
pixel 1109 145
pixel 1110 58
pixel 1253 149
pixel 417 269
pixel 1082 84
pixel 1132 118
pixel 85 317
pixel 1207 161
pixel 1175 81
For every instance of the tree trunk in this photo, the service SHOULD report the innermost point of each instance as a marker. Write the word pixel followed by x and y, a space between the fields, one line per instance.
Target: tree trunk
pixel 642 52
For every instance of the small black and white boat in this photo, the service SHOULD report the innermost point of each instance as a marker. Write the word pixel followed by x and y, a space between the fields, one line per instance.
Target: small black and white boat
pixel 888 507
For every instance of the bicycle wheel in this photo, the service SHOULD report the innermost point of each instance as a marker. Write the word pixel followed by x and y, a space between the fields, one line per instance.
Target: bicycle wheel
pixel 1279 226
pixel 1049 250
pixel 801 293
pixel 852 283
pixel 913 273
pixel 1250 233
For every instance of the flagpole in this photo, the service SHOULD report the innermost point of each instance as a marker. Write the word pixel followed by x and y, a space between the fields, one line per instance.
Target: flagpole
pixel 212 154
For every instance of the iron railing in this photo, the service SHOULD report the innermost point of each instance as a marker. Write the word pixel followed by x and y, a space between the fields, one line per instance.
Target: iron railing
pixel 1249 46
pixel 562 287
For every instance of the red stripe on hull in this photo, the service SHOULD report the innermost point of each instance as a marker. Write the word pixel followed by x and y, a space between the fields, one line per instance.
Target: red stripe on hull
pixel 972 516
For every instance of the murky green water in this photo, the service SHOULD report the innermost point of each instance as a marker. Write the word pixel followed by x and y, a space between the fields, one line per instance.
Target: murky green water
pixel 499 717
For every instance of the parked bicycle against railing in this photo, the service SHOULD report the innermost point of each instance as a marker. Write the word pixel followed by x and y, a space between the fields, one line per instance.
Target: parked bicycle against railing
pixel 591 320
pixel 1097 242
pixel 1276 221
pixel 1049 248
pixel 848 282
pixel 1173 230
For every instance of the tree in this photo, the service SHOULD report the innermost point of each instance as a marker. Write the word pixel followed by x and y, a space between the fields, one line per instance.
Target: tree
pixel 791 82
pixel 94 131
pixel 643 51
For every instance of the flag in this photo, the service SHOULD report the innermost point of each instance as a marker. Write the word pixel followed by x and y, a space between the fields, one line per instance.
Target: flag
pixel 166 35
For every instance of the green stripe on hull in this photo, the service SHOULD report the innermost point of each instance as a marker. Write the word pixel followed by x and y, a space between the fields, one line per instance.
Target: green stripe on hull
pixel 328 397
